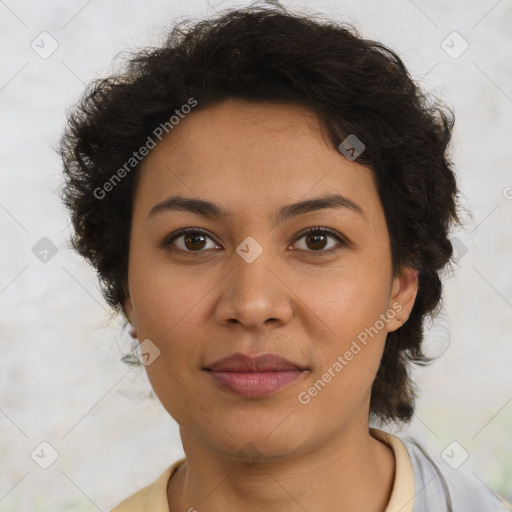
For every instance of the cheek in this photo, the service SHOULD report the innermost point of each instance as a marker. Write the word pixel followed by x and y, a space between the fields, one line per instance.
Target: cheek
pixel 167 298
pixel 350 305
pixel 170 305
pixel 349 300
pixel 170 308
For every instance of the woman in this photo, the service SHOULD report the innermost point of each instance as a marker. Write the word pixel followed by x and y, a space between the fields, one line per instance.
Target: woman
pixel 267 199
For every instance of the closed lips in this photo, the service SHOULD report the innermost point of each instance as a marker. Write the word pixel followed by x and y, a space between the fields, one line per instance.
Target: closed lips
pixel 254 377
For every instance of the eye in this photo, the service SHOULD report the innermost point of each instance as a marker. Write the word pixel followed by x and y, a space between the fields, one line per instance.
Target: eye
pixel 315 238
pixel 195 240
pixel 191 240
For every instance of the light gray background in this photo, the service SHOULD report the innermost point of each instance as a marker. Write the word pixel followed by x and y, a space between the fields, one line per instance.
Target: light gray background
pixel 61 379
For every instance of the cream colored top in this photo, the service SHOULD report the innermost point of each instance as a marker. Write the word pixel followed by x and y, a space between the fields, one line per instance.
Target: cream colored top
pixel 153 497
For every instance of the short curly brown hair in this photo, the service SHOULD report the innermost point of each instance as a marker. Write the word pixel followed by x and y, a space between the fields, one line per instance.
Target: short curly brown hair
pixel 269 54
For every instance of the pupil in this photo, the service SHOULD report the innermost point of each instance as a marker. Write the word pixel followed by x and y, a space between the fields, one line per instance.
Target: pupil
pixel 316 240
pixel 194 239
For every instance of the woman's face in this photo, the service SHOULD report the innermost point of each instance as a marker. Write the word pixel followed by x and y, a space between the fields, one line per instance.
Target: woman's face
pixel 254 281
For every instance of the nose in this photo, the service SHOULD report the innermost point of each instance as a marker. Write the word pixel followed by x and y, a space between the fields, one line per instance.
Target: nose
pixel 254 294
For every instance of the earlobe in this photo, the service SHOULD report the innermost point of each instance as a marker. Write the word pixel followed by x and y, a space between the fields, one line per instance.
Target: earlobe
pixel 133 332
pixel 403 296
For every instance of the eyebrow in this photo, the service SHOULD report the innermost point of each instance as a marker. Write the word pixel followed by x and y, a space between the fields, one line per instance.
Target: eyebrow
pixel 212 210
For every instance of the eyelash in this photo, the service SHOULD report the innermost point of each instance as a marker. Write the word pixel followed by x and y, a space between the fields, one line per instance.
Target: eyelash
pixel 311 231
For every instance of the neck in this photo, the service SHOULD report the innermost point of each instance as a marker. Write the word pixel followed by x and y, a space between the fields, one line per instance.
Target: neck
pixel 355 472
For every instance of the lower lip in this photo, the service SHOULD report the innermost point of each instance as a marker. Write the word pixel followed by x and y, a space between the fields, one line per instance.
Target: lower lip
pixel 254 384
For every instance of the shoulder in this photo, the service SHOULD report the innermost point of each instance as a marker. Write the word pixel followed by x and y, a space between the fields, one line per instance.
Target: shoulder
pixel 439 484
pixel 152 497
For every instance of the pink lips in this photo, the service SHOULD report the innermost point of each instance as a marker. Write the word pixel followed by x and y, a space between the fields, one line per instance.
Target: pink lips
pixel 254 376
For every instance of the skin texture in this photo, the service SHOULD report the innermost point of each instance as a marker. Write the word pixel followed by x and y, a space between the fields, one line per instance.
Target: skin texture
pixel 208 303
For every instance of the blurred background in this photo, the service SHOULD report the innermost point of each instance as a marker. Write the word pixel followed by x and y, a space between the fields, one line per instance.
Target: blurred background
pixel 78 429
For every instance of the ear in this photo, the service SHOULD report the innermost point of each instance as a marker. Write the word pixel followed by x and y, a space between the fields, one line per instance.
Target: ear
pixel 403 294
pixel 128 312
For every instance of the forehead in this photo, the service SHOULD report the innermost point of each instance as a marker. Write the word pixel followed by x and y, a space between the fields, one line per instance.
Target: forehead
pixel 250 156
